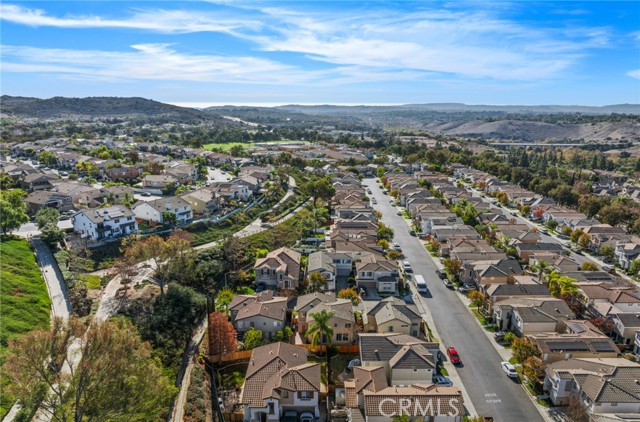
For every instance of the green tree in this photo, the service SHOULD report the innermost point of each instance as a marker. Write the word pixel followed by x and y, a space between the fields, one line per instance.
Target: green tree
pixel 317 281
pixel 116 379
pixel 380 171
pixel 223 299
pixel 589 266
pixel 46 216
pixel 522 349
pixel 541 267
pixel 320 188
pixel 47 158
pixel 284 334
pixel 252 339
pixel 453 268
pixel 634 268
pixel 561 285
pixel 6 182
pixel 552 224
pixel 169 218
pixel 477 298
pixel 13 210
pixel 384 232
pixel 320 330
pixel 351 294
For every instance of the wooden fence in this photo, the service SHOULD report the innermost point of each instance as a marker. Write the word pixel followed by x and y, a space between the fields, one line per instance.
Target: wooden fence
pixel 246 354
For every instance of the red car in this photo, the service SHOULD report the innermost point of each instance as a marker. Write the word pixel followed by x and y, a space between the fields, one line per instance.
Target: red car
pixel 453 355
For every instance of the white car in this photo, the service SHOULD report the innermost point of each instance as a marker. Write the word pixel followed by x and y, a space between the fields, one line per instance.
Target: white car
pixel 396 247
pixel 442 381
pixel 509 369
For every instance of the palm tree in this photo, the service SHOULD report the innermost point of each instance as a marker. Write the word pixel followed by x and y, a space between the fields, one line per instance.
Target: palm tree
pixel 541 267
pixel 320 329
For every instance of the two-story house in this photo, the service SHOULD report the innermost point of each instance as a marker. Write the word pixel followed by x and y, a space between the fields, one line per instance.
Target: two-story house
pixel 280 268
pixel 102 223
pixel 331 265
pixel 599 386
pixel 377 272
pixel 154 211
pixel 202 201
pixel 261 311
pixel 524 315
pixel 278 380
pixel 342 321
pixel 393 315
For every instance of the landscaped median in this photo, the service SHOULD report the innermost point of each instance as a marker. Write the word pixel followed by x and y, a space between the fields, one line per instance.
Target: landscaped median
pixel 24 299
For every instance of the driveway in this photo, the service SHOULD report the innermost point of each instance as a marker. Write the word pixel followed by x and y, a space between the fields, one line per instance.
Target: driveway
pixel 490 391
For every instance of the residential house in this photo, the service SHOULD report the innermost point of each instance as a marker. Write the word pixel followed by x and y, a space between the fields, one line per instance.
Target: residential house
pixel 393 315
pixel 202 201
pixel 118 194
pixel 186 173
pixel 154 211
pixel 627 251
pixel 232 191
pixel 124 172
pixel 82 195
pixel 342 322
pixel 502 271
pixel 557 261
pixel 304 304
pixel 261 311
pixel 42 199
pixel 377 272
pixel 526 315
pixel 407 360
pixel 495 293
pixel 280 268
pixel 103 223
pixel 331 265
pixel 626 327
pixel 278 380
pixel 37 181
pixel 159 181
pixel 600 386
pixel 581 340
pixel 525 250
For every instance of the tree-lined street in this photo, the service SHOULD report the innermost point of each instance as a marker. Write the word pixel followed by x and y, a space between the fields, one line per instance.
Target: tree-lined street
pixel 491 391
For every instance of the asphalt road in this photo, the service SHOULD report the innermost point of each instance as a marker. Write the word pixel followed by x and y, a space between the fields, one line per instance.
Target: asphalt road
pixel 491 391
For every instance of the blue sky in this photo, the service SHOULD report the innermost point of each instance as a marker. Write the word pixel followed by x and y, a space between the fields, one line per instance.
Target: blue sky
pixel 348 52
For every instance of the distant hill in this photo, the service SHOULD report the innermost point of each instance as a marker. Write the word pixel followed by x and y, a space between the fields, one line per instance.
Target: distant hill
pixel 62 107
pixel 460 107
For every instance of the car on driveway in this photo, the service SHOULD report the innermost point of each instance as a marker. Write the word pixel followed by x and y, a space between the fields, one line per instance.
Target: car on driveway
pixel 454 357
pixel 362 292
pixel 509 369
pixel 260 287
pixel 441 381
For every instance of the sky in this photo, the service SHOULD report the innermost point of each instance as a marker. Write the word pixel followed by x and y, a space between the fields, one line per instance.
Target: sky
pixel 202 53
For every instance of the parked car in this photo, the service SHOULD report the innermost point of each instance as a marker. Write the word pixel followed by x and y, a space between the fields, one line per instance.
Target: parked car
pixel 448 284
pixel 442 381
pixel 499 336
pixel 454 357
pixel 407 267
pixel 399 213
pixel 260 287
pixel 146 194
pixel 609 269
pixel 544 231
pixel 374 201
pixel 362 292
pixel 396 247
pixel 509 369
pixel 441 274
pixel 307 417
pixel 412 233
pixel 266 226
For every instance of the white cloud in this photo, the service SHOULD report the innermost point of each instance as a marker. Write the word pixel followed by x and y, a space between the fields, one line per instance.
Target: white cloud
pixel 360 44
pixel 167 21
pixel 634 73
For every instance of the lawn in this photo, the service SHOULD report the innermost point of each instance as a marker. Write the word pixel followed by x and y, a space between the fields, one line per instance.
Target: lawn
pixel 24 298
pixel 224 147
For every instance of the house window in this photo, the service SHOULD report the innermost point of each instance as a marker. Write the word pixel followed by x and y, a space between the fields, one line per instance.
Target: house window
pixel 264 323
pixel 342 337
pixel 304 395
pixel 391 328
pixel 348 325
pixel 335 325
pixel 285 394
pixel 272 409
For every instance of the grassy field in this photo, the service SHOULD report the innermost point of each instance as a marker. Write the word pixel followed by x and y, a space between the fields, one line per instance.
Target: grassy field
pixel 23 297
pixel 227 146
